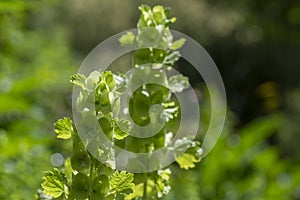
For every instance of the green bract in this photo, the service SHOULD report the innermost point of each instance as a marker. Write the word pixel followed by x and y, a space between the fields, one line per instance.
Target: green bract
pixel 92 175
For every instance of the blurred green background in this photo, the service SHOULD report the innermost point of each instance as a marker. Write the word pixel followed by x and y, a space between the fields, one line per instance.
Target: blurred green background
pixel 255 44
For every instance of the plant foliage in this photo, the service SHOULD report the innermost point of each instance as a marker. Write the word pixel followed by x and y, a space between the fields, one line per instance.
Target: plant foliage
pixel 92 179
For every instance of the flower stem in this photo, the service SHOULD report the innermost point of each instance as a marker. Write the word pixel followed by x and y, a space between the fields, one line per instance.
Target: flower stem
pixel 91 178
pixel 145 189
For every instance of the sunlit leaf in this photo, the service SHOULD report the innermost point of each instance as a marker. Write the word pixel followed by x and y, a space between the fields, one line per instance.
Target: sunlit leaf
pixel 177 44
pixel 99 187
pixel 78 79
pixel 121 182
pixel 54 183
pixel 122 127
pixel 63 128
pixel 80 186
pixel 127 39
pixel 187 161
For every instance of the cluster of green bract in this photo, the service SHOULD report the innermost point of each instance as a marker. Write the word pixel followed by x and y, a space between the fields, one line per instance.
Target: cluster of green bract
pixel 85 176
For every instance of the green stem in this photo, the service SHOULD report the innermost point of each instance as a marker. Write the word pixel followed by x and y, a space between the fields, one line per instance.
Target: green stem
pixel 91 178
pixel 145 189
pixel 146 179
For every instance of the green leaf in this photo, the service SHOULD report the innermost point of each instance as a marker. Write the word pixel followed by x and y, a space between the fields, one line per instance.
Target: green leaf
pixel 159 14
pixel 154 17
pixel 63 128
pixel 93 80
pixel 177 44
pixel 54 183
pixel 110 197
pixel 100 187
pixel 121 83
pixel 109 79
pixel 178 83
pixel 139 105
pixel 105 103
pixel 78 79
pixel 187 161
pixel 121 182
pixel 137 192
pixel 106 127
pixel 80 186
pixel 158 93
pixel 146 17
pixel 68 168
pixel 127 39
pixel 192 152
pixel 121 129
pixel 171 21
pixel 141 56
pixel 148 37
pixel 80 159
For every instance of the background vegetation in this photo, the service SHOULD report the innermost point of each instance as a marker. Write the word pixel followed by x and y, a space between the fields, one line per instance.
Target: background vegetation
pixel 255 44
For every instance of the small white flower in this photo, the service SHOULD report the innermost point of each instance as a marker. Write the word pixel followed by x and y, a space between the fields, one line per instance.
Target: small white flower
pixel 167 189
